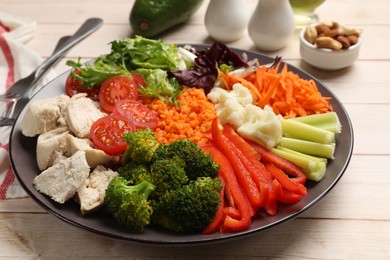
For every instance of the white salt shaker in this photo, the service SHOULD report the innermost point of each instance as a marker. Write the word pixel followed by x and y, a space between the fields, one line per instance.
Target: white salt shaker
pixel 271 24
pixel 226 20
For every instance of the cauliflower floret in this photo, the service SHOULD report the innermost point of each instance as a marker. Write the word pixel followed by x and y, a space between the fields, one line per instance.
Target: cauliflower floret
pixel 216 94
pixel 230 105
pixel 261 126
pixel 231 112
pixel 239 93
pixel 256 124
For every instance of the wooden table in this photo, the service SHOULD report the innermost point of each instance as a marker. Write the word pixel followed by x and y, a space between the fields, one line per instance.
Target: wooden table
pixel 351 222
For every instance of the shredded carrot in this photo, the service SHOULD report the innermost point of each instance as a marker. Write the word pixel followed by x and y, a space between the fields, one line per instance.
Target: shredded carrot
pixel 191 119
pixel 285 91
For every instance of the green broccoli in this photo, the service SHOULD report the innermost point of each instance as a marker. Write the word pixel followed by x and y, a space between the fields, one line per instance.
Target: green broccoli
pixel 141 145
pixel 190 208
pixel 198 163
pixel 183 178
pixel 134 172
pixel 167 175
pixel 129 205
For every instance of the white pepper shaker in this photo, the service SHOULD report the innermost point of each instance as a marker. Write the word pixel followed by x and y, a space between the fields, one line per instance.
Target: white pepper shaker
pixel 271 24
pixel 226 20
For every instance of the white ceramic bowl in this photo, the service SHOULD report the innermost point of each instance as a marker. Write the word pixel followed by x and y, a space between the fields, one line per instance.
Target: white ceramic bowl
pixel 328 59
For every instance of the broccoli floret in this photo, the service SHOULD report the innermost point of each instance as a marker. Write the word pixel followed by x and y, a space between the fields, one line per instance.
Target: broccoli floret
pixel 129 205
pixel 198 163
pixel 141 145
pixel 190 208
pixel 183 178
pixel 167 175
pixel 134 172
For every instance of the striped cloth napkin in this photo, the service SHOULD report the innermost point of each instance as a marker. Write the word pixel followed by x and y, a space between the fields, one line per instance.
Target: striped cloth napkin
pixel 16 61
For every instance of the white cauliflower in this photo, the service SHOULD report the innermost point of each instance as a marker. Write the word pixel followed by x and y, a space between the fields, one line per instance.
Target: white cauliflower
pixel 239 93
pixel 256 124
pixel 231 112
pixel 261 126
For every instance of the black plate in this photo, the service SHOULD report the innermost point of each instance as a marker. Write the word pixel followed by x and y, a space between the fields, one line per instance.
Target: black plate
pixel 23 160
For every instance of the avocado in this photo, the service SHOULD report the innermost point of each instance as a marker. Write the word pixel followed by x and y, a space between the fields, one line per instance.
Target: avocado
pixel 148 18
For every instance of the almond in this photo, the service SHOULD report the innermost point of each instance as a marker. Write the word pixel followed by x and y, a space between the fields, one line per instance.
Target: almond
pixel 344 41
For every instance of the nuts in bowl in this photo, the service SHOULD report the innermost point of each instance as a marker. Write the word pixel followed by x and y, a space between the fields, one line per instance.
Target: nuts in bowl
pixel 330 45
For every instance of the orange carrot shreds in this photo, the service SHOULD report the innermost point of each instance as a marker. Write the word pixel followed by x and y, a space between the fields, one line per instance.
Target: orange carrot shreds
pixel 192 119
pixel 286 92
pixel 230 80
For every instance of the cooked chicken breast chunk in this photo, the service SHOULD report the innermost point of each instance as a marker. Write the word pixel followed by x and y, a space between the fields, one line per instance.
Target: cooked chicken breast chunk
pixel 94 156
pixel 61 181
pixel 44 115
pixel 80 113
pixel 51 146
pixel 91 193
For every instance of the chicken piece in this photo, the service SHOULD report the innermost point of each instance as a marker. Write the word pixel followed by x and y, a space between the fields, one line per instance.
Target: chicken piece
pixel 51 146
pixel 94 156
pixel 61 181
pixel 44 115
pixel 81 113
pixel 91 193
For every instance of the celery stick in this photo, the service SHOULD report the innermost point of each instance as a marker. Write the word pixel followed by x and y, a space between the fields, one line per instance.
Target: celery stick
pixel 306 132
pixel 327 121
pixel 308 147
pixel 313 167
pixel 306 156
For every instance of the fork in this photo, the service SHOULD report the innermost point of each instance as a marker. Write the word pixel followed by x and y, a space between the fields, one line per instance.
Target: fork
pixel 20 93
pixel 11 98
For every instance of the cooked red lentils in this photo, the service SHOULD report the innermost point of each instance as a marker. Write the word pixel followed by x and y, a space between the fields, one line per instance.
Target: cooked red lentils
pixel 192 119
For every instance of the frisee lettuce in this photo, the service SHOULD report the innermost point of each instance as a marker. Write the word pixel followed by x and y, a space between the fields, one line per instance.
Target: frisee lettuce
pixel 151 58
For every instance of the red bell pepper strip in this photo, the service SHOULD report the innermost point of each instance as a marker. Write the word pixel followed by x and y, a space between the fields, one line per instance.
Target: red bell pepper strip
pixel 272 206
pixel 285 181
pixel 247 150
pixel 229 198
pixel 285 165
pixel 232 212
pixel 243 176
pixel 231 183
pixel 262 184
pixel 247 180
pixel 251 160
pixel 245 147
pixel 284 195
pixel 228 130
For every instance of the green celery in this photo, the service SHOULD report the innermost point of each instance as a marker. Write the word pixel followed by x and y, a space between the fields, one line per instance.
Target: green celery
pixel 299 130
pixel 308 147
pixel 313 167
pixel 327 121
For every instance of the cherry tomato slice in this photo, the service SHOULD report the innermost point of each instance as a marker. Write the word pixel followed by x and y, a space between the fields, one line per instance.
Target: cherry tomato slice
pixel 117 88
pixel 107 132
pixel 72 87
pixel 138 79
pixel 139 114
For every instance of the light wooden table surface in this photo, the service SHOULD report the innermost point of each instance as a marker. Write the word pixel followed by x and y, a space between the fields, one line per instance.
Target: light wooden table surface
pixel 351 222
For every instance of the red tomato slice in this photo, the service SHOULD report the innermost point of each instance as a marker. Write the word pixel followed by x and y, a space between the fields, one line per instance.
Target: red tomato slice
pixel 138 79
pixel 117 88
pixel 72 87
pixel 107 132
pixel 136 112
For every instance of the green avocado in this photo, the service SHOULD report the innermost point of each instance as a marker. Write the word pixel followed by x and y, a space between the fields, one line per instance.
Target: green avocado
pixel 149 18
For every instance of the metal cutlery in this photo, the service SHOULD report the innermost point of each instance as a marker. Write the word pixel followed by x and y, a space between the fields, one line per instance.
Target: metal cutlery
pixel 20 93
pixel 11 98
